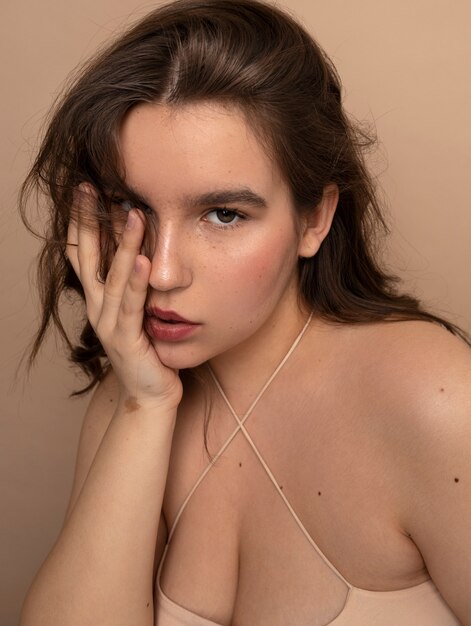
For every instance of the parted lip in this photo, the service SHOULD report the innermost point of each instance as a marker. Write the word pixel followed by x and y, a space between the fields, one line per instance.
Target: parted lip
pixel 166 316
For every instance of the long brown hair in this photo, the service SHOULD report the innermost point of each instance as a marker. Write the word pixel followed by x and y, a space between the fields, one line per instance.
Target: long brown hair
pixel 256 57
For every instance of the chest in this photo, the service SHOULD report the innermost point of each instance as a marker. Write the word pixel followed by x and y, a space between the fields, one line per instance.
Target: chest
pixel 257 537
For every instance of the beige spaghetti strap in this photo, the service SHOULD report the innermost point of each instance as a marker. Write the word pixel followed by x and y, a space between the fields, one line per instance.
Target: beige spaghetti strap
pixel 240 423
pixel 267 469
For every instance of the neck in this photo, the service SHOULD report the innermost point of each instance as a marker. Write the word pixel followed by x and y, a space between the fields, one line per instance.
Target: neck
pixel 243 370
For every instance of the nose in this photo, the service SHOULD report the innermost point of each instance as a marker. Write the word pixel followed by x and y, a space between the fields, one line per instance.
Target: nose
pixel 169 269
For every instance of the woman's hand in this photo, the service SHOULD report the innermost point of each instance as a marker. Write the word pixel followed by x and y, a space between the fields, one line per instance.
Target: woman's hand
pixel 115 309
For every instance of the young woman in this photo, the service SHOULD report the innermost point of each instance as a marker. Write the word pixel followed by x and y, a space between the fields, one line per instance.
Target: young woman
pixel 278 436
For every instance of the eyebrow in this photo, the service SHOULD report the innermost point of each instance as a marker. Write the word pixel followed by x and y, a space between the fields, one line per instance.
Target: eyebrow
pixel 242 195
pixel 239 195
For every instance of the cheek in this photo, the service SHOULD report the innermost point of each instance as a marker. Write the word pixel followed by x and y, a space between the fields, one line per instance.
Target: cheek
pixel 260 270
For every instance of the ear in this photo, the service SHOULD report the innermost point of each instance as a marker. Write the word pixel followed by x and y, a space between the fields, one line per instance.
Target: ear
pixel 316 222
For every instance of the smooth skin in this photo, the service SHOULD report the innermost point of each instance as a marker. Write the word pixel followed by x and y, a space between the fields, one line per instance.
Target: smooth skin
pixel 102 568
pixel 116 309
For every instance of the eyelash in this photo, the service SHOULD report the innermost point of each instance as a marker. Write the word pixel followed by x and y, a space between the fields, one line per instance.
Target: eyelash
pixel 127 205
pixel 225 226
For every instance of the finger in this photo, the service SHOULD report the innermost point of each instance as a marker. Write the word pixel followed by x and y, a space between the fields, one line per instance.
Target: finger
pixel 122 266
pixel 131 313
pixel 88 251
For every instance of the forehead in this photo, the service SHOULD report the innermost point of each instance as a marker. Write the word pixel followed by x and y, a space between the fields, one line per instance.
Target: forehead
pixel 194 148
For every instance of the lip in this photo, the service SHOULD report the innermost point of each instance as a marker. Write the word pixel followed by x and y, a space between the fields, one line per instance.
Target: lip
pixel 168 325
pixel 166 315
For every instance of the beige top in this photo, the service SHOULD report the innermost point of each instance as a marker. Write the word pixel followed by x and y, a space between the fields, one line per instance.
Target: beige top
pixel 421 604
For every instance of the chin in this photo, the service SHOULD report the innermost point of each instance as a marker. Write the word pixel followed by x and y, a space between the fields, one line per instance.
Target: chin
pixel 178 357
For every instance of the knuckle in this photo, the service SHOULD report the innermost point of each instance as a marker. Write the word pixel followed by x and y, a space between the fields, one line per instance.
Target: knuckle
pixel 130 245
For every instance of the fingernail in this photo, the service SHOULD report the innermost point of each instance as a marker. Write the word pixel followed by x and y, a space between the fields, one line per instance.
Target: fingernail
pixel 131 219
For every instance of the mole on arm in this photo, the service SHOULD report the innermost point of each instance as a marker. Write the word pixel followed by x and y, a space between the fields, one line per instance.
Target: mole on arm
pixel 457 480
pixel 319 493
pixel 442 389
pixel 240 464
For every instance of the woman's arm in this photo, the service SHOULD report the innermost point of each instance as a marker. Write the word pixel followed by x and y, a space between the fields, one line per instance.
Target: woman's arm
pixel 100 570
pixel 433 457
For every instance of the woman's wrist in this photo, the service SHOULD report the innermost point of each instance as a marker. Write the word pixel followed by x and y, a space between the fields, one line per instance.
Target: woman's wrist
pixel 157 408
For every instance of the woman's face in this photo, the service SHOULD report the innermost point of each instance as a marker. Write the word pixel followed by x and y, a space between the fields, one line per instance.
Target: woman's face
pixel 226 245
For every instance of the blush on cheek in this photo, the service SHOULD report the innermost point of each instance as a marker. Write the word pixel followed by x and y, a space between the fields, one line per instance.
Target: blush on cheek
pixel 271 262
pixel 259 283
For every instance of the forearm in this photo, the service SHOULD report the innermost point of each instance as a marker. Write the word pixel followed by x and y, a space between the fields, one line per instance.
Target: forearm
pixel 100 569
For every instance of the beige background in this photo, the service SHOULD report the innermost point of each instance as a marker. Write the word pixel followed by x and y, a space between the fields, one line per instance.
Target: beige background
pixel 405 66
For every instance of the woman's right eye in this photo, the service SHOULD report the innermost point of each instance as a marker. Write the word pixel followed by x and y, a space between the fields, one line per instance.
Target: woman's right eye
pixel 225 218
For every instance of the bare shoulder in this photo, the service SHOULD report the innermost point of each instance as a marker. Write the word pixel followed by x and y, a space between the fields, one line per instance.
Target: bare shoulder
pixel 409 385
pixel 412 342
pixel 417 377
pixel 428 373
pixel 415 365
pixel 420 377
pixel 423 372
